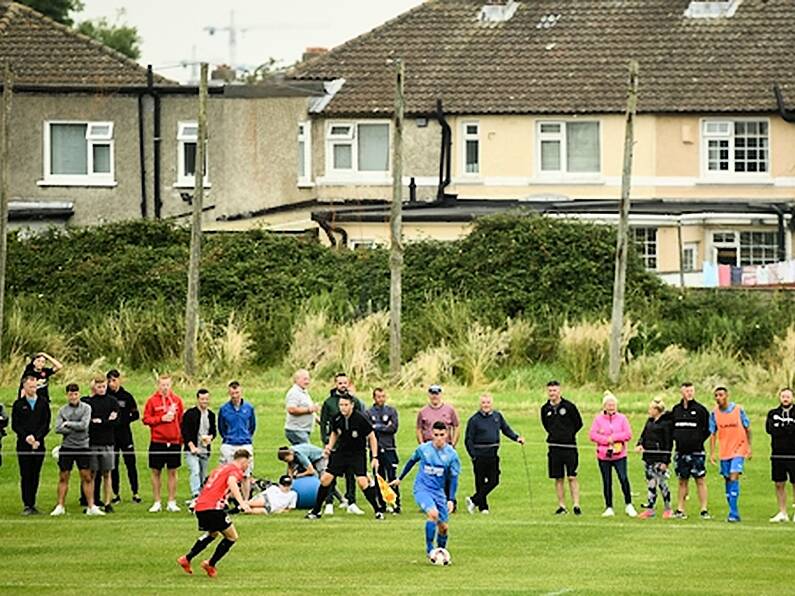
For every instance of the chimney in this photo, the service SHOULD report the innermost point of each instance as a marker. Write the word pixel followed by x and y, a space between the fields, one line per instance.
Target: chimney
pixel 310 53
pixel 711 9
pixel 498 11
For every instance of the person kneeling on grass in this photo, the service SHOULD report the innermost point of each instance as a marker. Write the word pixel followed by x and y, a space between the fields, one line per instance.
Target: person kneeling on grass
pixel 210 511
pixel 655 443
pixel 439 468
pixel 277 498
pixel 611 432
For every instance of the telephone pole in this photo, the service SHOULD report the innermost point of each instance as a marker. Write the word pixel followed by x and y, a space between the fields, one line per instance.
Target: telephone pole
pixel 396 226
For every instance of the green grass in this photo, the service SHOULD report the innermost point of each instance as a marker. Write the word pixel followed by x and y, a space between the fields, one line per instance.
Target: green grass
pixel 520 548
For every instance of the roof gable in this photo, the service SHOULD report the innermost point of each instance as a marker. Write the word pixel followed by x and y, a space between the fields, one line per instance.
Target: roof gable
pixel 44 52
pixel 568 56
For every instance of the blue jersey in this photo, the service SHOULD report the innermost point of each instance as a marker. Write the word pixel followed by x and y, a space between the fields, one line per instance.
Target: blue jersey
pixel 437 467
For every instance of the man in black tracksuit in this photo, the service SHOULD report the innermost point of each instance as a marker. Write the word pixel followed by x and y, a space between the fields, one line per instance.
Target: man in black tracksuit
pixel 691 429
pixel 482 441
pixel 780 425
pixel 102 438
pixel 385 423
pixel 30 420
pixel 562 421
pixel 128 413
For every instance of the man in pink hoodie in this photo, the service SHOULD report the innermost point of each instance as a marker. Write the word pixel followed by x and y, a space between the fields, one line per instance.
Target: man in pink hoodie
pixel 611 433
pixel 163 415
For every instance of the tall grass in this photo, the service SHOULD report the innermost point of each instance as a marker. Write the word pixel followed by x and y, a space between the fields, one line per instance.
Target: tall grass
pixel 432 365
pixel 29 328
pixel 584 348
pixel 225 348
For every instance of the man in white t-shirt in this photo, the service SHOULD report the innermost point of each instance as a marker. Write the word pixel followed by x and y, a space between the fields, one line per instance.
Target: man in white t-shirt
pixel 277 498
pixel 301 411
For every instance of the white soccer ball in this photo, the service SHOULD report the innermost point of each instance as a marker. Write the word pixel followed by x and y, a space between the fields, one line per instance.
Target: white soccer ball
pixel 439 556
pixel 56 451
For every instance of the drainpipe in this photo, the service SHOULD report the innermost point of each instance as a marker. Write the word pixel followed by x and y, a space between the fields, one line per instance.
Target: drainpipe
pixel 781 236
pixel 446 150
pixel 156 156
pixel 786 115
pixel 330 229
pixel 142 153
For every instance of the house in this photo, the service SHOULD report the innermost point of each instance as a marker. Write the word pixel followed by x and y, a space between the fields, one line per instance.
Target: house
pixel 97 138
pixel 520 105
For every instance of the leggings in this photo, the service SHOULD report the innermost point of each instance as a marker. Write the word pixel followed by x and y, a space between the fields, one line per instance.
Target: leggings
pixel 657 479
pixel 606 468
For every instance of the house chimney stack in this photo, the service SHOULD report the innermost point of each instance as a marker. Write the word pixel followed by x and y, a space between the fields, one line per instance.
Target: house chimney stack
pixel 310 53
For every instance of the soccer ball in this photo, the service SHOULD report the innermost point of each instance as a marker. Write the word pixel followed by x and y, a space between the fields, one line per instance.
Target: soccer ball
pixel 439 556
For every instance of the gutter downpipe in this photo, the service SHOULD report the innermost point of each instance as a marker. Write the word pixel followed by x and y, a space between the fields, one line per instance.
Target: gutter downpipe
pixel 156 155
pixel 142 154
pixel 446 149
pixel 786 115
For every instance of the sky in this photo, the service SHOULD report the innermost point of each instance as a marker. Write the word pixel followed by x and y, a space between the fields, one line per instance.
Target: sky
pixel 173 31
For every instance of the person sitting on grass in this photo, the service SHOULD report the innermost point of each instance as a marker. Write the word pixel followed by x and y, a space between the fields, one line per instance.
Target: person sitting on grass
pixel 731 429
pixel 611 433
pixel 277 498
pixel 305 459
pixel 655 443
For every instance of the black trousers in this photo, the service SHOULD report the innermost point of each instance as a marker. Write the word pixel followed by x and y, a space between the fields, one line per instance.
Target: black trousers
pixel 30 463
pixel 128 453
pixel 350 487
pixel 487 477
pixel 606 468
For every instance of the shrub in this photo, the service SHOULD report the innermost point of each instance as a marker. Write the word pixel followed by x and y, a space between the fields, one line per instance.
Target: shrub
pixel 32 327
pixel 584 349
pixel 479 351
pixel 432 365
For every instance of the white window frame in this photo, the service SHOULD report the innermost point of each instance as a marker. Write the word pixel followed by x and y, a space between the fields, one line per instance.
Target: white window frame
pixel 90 178
pixel 351 138
pixel 184 181
pixel 465 137
pixel 305 137
pixel 642 251
pixel 562 174
pixel 731 175
pixel 692 248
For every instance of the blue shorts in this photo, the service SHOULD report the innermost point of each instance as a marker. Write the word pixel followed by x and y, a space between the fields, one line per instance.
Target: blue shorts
pixel 427 500
pixel 731 466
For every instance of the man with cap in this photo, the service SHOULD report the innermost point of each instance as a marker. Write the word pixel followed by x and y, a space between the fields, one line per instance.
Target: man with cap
pixel 438 411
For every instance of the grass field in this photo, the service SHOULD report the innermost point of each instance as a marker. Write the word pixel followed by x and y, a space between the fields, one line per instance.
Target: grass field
pixel 520 548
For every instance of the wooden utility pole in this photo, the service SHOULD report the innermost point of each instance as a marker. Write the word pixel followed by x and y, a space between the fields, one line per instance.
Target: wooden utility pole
pixel 396 226
pixel 619 283
pixel 192 302
pixel 5 185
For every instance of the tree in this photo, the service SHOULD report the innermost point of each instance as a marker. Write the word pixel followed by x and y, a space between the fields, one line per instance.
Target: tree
pixel 117 35
pixel 58 10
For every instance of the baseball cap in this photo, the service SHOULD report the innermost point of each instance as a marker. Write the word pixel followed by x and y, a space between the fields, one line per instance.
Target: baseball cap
pixel 435 389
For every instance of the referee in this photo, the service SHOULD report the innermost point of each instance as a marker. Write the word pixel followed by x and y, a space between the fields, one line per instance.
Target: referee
pixel 350 433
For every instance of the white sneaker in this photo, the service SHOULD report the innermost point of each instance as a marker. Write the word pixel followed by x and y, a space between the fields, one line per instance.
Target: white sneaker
pixel 471 505
pixel 94 511
pixel 328 509
pixel 354 508
pixel 59 510
pixel 485 512
pixel 630 511
pixel 778 517
pixel 608 512
pixel 156 507
pixel 172 507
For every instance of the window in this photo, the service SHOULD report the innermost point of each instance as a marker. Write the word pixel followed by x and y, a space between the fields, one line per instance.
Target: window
pixel 646 243
pixel 758 248
pixel 471 148
pixel 304 153
pixel 569 148
pixel 358 148
pixel 689 255
pixel 740 147
pixel 187 137
pixel 78 153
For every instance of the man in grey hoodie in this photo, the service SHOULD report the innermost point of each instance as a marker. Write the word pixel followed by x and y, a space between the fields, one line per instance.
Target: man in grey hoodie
pixel 72 422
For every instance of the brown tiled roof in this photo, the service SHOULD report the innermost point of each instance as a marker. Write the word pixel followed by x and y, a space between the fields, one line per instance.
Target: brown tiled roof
pixel 577 65
pixel 43 52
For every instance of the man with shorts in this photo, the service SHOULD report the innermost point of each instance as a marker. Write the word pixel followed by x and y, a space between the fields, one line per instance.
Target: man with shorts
pixel 780 425
pixel 351 433
pixel 163 415
pixel 731 429
pixel 691 429
pixel 210 511
pixel 277 498
pixel 102 439
pixel 436 483
pixel 72 422
pixel 237 423
pixel 562 421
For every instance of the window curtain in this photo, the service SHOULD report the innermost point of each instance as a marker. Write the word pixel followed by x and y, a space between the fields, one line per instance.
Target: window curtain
pixel 583 146
pixel 68 155
pixel 373 147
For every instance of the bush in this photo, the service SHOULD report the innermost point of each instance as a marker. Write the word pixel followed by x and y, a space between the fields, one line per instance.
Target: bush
pixel 585 349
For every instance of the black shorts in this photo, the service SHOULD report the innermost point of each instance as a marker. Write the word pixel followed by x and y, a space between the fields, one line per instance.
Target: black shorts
pixel 162 455
pixel 339 463
pixel 562 462
pixel 69 456
pixel 213 520
pixel 782 469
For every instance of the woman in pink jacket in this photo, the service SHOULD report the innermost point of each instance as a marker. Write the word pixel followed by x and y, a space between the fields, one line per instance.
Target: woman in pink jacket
pixel 611 433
